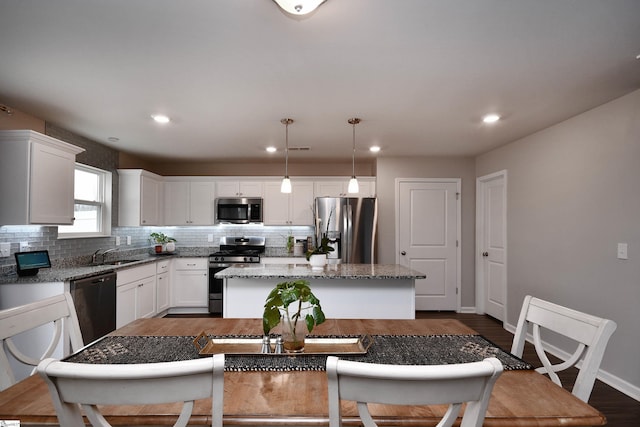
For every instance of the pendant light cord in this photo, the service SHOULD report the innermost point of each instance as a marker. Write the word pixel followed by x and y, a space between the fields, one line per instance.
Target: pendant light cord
pixel 353 121
pixel 353 154
pixel 286 150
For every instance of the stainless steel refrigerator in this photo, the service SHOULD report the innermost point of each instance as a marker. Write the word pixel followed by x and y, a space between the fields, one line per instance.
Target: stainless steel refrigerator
pixel 351 226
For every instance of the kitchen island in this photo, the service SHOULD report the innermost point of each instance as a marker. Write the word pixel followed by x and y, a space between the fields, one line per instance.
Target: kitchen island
pixel 345 291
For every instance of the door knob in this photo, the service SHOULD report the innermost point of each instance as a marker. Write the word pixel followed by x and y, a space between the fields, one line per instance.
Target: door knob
pixel 403 253
pixel 485 253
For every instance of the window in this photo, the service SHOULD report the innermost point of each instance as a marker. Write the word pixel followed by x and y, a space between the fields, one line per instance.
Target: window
pixel 92 208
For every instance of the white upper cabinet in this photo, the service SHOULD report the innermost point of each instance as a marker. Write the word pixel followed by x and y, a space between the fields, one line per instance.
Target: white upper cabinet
pixel 294 208
pixel 188 202
pixel 338 188
pixel 140 198
pixel 36 179
pixel 239 189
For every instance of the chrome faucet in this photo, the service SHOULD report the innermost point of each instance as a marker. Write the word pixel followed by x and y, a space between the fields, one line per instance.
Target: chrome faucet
pixel 94 257
pixel 106 252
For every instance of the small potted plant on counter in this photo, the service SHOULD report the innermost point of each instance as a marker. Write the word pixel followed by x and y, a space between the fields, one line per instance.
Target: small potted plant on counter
pixel 163 243
pixel 294 306
pixel 317 256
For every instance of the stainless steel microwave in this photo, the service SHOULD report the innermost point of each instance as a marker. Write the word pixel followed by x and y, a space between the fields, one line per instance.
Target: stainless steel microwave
pixel 238 210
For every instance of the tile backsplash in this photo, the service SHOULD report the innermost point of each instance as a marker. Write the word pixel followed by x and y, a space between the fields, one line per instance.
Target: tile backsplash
pixel 66 251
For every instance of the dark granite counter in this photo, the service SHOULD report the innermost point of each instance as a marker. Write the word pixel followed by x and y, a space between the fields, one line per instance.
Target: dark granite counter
pixel 65 271
pixel 335 271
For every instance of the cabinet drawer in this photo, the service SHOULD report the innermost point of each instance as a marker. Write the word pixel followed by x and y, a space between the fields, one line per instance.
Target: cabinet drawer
pixel 162 266
pixel 191 263
pixel 128 275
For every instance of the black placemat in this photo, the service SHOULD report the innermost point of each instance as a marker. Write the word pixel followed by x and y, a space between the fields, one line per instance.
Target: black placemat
pixel 390 349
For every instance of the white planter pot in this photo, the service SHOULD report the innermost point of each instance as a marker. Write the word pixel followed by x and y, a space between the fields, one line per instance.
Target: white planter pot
pixel 318 261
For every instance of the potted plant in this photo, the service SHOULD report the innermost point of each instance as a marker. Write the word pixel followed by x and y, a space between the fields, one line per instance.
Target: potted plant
pixel 317 256
pixel 294 305
pixel 162 242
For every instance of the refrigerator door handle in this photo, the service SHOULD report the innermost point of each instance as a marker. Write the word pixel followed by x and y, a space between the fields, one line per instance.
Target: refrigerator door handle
pixel 347 217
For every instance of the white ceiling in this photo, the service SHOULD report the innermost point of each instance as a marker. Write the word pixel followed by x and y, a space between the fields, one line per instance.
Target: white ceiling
pixel 420 73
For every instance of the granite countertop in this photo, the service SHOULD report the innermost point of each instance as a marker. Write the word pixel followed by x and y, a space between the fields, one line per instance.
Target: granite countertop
pixel 62 272
pixel 332 271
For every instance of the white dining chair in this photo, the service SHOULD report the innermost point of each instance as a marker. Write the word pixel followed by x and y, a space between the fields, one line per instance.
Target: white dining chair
pixel 80 385
pixel 57 310
pixel 452 384
pixel 591 334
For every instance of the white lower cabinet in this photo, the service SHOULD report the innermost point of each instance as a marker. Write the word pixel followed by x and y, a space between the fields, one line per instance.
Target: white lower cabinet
pixel 163 286
pixel 135 294
pixel 190 284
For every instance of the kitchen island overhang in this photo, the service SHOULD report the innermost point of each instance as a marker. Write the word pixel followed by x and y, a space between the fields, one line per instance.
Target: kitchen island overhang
pixel 345 291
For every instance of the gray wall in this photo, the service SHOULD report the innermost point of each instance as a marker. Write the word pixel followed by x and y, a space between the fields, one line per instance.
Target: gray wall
pixel 573 195
pixel 428 167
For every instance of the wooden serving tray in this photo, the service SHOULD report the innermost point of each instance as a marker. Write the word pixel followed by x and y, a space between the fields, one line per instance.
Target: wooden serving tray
pixel 253 346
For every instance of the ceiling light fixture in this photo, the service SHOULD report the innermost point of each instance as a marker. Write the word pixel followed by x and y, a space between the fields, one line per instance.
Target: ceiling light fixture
pixel 271 149
pixel 374 149
pixel 490 118
pixel 161 118
pixel 285 187
pixel 299 7
pixel 353 182
pixel 6 110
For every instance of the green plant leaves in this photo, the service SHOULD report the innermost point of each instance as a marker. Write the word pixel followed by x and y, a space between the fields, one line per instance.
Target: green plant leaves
pixel 285 294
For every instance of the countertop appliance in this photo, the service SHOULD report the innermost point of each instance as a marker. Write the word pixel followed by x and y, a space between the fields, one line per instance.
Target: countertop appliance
pixel 352 228
pixel 95 301
pixel 233 250
pixel 238 210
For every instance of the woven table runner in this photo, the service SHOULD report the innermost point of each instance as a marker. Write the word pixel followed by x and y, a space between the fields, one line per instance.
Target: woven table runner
pixel 388 349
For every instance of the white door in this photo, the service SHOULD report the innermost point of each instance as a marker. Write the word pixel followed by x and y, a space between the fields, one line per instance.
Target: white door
pixel 428 226
pixel 491 241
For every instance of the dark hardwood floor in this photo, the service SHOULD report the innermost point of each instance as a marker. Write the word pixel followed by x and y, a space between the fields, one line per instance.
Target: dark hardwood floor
pixel 620 409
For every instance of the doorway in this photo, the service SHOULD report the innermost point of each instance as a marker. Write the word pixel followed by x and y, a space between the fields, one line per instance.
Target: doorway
pixel 428 227
pixel 491 245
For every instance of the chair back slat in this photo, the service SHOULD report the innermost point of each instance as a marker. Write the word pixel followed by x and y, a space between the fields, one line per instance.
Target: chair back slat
pixel 58 311
pixel 364 383
pixel 588 331
pixel 75 385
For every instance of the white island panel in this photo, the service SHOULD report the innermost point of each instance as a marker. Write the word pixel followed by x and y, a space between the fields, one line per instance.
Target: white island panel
pixel 339 298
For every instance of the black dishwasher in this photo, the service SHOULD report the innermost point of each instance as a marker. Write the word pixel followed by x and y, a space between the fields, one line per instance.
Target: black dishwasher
pixel 95 301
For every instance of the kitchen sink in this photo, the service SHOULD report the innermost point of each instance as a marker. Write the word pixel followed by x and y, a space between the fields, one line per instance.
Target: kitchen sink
pixel 121 262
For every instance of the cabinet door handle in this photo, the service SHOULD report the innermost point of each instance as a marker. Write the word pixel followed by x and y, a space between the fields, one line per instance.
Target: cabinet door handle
pixel 485 254
pixel 403 253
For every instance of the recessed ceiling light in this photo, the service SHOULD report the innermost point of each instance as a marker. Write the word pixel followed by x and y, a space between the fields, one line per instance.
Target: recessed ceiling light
pixel 374 149
pixel 491 118
pixel 272 149
pixel 113 139
pixel 161 118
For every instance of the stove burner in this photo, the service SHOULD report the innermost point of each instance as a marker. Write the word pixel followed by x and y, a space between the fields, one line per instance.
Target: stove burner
pixel 239 250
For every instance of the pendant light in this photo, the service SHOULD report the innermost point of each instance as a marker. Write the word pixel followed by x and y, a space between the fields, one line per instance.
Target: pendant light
pixel 299 7
pixel 285 187
pixel 353 182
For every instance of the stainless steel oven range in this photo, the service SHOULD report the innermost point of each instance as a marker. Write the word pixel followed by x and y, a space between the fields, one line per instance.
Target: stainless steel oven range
pixel 233 250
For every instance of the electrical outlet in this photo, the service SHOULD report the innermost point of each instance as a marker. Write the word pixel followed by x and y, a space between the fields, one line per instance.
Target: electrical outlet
pixel 129 240
pixel 5 249
pixel 24 246
pixel 622 251
pixel 210 238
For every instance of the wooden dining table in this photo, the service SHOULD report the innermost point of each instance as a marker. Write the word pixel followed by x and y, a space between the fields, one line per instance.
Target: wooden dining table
pixel 521 398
